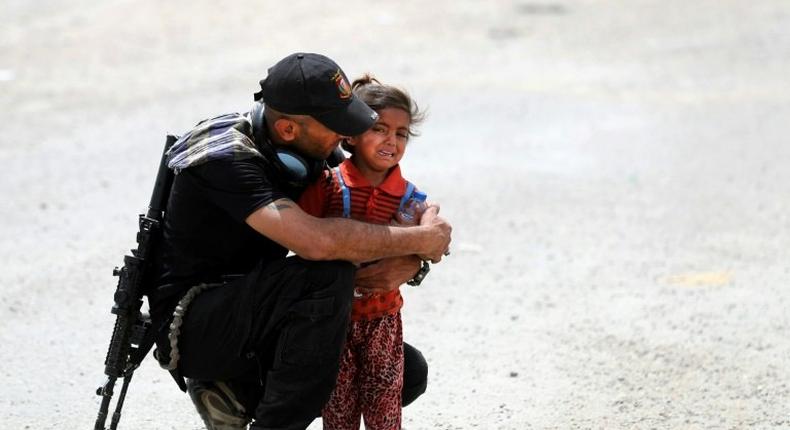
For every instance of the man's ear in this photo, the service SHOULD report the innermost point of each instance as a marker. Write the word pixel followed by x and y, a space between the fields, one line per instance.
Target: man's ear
pixel 286 129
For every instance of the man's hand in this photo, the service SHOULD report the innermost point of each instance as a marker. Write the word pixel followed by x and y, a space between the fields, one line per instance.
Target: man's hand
pixel 441 234
pixel 386 275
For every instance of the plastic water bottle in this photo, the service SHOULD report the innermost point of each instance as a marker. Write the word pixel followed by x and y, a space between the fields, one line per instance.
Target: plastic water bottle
pixel 412 210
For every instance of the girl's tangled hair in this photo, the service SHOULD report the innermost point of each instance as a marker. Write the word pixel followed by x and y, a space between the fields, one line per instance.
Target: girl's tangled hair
pixel 379 96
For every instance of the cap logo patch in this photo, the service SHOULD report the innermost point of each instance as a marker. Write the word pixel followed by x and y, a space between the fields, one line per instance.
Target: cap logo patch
pixel 343 89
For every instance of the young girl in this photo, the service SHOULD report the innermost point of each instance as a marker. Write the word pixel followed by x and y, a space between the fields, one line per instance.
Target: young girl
pixel 369 187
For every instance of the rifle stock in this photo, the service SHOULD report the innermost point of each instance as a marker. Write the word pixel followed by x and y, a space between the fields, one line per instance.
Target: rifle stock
pixel 127 350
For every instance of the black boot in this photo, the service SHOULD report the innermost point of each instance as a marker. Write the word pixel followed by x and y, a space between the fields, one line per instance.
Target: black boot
pixel 217 405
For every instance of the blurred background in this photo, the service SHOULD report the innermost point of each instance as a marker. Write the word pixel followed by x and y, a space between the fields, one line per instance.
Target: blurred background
pixel 613 171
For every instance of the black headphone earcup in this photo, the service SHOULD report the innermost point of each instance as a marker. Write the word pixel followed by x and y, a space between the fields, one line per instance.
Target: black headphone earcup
pixel 300 171
pixel 256 118
pixel 296 167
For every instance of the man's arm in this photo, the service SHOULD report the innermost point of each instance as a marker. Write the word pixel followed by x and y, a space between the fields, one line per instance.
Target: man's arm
pixel 386 275
pixel 344 239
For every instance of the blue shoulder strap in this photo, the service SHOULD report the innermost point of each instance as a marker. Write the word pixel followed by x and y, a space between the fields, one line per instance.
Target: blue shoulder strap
pixel 407 195
pixel 346 193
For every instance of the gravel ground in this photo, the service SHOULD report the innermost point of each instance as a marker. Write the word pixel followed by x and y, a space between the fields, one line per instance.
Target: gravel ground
pixel 613 171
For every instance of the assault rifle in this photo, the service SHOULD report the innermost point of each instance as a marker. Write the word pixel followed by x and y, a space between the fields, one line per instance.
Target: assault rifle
pixel 132 336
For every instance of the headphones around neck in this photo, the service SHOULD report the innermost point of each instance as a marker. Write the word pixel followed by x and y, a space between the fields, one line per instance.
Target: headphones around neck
pixel 295 169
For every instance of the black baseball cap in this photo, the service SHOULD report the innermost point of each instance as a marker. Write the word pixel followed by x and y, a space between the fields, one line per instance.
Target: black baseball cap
pixel 312 84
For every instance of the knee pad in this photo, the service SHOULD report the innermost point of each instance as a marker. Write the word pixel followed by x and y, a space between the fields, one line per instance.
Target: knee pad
pixel 415 374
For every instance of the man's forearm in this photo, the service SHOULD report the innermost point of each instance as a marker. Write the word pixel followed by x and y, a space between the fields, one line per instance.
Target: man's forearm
pixel 386 274
pixel 360 242
pixel 343 239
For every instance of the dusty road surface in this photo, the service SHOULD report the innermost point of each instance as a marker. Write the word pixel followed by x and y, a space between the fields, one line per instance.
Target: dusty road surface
pixel 616 172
